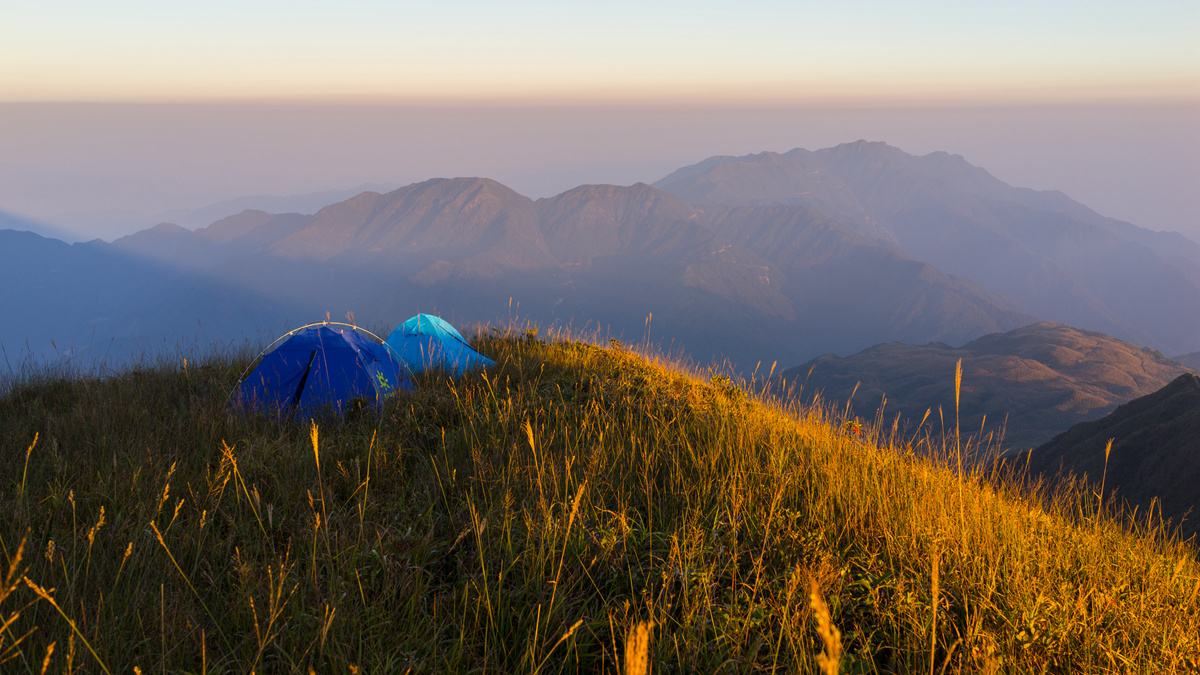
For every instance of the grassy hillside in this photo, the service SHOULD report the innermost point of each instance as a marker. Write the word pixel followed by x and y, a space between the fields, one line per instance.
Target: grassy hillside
pixel 575 507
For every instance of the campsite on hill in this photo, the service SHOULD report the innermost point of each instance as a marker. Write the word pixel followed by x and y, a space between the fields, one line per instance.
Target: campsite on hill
pixel 574 507
pixel 599 337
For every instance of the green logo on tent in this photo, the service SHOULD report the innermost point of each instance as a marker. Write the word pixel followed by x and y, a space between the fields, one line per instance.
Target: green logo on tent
pixel 383 381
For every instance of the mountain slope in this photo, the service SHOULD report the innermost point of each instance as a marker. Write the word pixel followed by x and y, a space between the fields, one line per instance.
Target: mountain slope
pixel 1155 454
pixel 1192 360
pixel 12 221
pixel 1053 257
pixel 307 203
pixel 91 303
pixel 168 243
pixel 475 223
pixel 642 248
pixel 597 221
pixel 848 284
pixel 1041 378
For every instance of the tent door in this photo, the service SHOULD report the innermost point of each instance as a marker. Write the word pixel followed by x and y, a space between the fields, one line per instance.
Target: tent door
pixel 303 380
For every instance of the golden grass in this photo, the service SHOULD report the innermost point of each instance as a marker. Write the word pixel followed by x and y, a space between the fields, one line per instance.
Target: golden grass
pixel 542 518
pixel 830 659
pixel 637 650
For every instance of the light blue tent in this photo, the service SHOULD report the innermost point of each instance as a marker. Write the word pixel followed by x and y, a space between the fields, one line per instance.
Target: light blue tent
pixel 427 342
pixel 321 369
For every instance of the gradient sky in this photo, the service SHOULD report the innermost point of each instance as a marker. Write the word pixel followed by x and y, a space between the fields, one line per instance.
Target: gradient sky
pixel 116 114
pixel 546 50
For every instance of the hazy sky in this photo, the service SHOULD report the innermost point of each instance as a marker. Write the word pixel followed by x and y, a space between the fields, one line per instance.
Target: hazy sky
pixel 113 113
pixel 552 49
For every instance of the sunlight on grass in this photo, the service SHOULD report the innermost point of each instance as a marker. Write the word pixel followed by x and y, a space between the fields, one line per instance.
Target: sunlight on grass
pixel 577 507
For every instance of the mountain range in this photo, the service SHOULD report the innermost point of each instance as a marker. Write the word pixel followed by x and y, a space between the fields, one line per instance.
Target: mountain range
pixel 608 256
pixel 1053 257
pixel 307 202
pixel 763 258
pixel 1033 382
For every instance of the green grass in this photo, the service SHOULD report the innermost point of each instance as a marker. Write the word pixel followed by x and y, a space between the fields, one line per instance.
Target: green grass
pixel 568 510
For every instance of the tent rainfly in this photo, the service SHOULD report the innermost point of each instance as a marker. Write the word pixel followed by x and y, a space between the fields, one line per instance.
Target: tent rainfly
pixel 319 369
pixel 427 342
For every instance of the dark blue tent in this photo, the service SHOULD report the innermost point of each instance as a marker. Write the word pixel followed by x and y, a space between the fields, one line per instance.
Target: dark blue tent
pixel 426 342
pixel 322 368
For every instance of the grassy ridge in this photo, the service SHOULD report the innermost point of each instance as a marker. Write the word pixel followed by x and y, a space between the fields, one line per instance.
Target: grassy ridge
pixel 562 513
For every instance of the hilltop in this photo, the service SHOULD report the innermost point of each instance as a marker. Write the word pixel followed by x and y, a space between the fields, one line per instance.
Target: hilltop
pixel 546 516
pixel 1155 458
pixel 1032 382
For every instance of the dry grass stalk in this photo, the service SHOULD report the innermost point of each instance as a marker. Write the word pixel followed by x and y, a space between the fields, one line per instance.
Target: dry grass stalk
pixel 830 658
pixel 637 649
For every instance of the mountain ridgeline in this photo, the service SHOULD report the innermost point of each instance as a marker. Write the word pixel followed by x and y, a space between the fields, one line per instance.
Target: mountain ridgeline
pixel 1053 257
pixel 764 258
pixel 1030 383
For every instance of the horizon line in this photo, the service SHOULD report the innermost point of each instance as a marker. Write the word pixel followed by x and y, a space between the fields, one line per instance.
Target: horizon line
pixel 681 101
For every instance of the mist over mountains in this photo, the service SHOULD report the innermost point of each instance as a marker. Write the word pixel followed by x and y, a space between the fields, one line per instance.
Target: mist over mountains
pixel 13 221
pixel 1055 258
pixel 768 257
pixel 88 304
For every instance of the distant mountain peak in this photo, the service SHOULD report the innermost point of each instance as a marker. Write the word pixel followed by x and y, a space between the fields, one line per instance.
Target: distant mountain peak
pixel 1185 382
pixel 863 145
pixel 367 196
pixel 457 186
pixel 28 236
pixel 477 195
pixel 442 224
pixel 168 228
